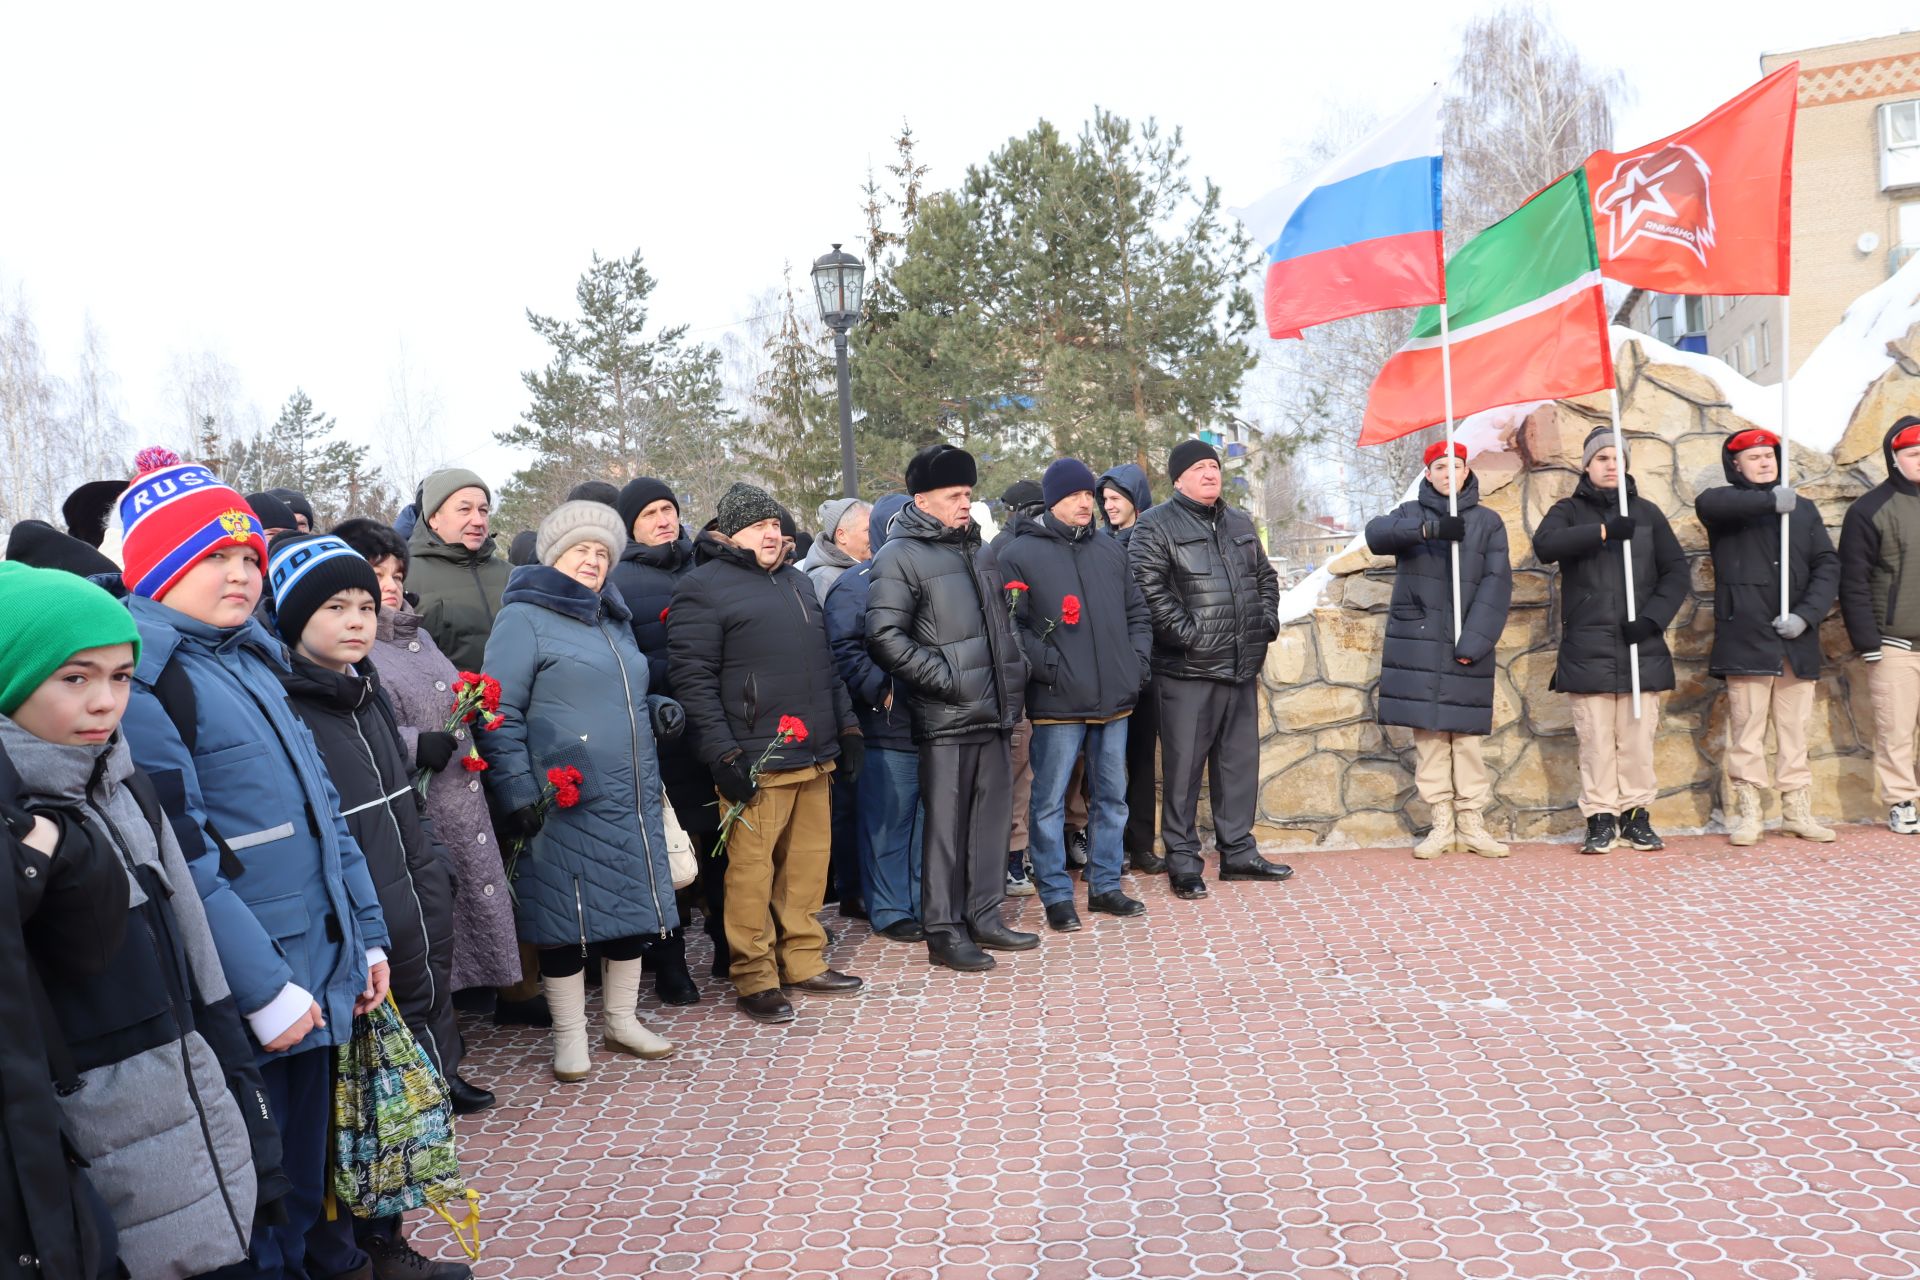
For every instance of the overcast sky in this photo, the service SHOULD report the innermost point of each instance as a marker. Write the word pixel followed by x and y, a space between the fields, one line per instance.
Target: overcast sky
pixel 302 190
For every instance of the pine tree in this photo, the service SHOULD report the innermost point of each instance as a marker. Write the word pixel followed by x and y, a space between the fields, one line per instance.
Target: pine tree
pixel 298 451
pixel 793 422
pixel 1074 296
pixel 614 401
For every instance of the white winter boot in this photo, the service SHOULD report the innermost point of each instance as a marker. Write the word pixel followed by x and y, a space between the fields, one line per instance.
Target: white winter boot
pixel 567 1000
pixel 1441 839
pixel 620 990
pixel 1743 824
pixel 1796 817
pixel 1475 836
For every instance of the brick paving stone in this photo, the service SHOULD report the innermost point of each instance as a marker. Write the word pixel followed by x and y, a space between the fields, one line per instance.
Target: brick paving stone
pixel 1689 1065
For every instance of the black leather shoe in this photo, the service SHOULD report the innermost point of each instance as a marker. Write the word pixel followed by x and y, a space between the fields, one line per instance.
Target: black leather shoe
pixel 961 955
pixel 1005 939
pixel 853 909
pixel 1188 887
pixel 766 1006
pixel 522 1013
pixel 830 982
pixel 904 931
pixel 1148 863
pixel 466 1098
pixel 1258 869
pixel 1062 918
pixel 1116 903
pixel 392 1258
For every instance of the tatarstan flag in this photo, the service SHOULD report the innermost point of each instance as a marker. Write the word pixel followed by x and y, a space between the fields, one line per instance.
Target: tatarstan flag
pixel 1526 316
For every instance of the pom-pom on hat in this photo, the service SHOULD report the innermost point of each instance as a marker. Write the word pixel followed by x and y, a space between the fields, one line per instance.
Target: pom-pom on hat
pixel 307 570
pixel 1438 448
pixel 175 514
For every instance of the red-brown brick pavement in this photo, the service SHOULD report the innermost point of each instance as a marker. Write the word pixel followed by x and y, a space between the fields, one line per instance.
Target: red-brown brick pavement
pixel 1687 1065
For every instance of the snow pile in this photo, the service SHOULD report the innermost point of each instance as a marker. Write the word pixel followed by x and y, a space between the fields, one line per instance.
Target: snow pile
pixel 1837 373
pixel 1757 404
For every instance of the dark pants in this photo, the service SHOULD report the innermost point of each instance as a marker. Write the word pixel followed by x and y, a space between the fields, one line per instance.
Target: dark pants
pixel 1143 800
pixel 300 1097
pixel 844 882
pixel 564 962
pixel 1212 726
pixel 966 792
pixel 890 835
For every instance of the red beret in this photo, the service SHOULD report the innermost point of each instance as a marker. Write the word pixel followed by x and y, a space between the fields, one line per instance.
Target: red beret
pixel 1752 438
pixel 1439 447
pixel 1907 436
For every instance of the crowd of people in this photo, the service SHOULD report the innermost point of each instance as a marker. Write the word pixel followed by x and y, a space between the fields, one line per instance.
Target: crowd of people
pixel 258 778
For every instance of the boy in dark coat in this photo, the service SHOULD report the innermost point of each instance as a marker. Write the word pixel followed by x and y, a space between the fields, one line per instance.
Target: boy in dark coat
pixel 1770 660
pixel 1583 534
pixel 1881 604
pixel 1440 687
pixel 326 606
pixel 1123 494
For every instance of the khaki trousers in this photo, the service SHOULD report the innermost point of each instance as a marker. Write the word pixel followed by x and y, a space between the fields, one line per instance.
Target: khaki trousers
pixel 777 859
pixel 1019 749
pixel 1751 701
pixel 1451 769
pixel 1895 683
pixel 1616 751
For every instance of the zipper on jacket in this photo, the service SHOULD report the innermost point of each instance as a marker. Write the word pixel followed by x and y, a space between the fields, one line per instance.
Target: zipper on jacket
pixel 473 567
pixel 419 908
pixel 125 850
pixel 639 799
pixel 580 916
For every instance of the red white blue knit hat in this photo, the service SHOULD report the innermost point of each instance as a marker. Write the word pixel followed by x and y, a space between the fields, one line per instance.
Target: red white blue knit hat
pixel 175 514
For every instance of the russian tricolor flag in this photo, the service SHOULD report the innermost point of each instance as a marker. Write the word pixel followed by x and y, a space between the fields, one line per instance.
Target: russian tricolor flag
pixel 1361 235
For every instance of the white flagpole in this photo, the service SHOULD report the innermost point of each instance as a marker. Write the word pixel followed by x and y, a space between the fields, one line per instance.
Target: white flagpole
pixel 1626 548
pixel 1453 490
pixel 1786 451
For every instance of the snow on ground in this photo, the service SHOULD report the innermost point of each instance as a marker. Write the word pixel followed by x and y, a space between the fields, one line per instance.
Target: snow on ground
pixel 1757 404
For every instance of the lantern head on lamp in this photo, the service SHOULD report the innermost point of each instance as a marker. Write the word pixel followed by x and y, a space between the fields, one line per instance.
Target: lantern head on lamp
pixel 837 277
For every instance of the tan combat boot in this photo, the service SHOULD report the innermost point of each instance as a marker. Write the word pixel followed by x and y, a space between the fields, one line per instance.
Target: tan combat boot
pixel 1743 824
pixel 1796 817
pixel 567 999
pixel 620 991
pixel 1475 836
pixel 1441 839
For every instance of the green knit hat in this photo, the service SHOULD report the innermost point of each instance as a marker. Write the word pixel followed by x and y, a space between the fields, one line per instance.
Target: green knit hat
pixel 49 616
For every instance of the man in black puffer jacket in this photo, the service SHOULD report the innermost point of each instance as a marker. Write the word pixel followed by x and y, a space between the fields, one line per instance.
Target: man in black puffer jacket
pixel 1583 535
pixel 748 653
pixel 1215 603
pixel 1085 629
pixel 1440 687
pixel 1770 660
pixel 657 555
pixel 938 620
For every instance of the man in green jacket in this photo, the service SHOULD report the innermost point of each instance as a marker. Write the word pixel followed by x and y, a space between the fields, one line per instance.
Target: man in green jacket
pixel 454 571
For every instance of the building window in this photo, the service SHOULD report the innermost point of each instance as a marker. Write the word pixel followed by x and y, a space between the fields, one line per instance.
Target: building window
pixel 1900 144
pixel 1696 314
pixel 1751 347
pixel 1766 344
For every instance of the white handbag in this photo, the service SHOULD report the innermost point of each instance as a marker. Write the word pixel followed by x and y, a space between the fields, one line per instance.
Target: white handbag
pixel 682 860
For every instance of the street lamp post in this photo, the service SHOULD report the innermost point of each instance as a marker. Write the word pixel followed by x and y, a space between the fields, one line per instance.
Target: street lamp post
pixel 837 278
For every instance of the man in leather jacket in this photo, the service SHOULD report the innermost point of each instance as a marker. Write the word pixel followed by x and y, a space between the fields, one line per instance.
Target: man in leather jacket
pixel 938 619
pixel 1215 603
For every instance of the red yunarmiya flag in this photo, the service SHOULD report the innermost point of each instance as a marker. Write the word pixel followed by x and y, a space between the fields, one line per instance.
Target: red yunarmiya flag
pixel 1708 209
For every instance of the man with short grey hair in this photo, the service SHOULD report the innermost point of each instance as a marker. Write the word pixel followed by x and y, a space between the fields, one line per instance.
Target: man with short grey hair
pixel 842 543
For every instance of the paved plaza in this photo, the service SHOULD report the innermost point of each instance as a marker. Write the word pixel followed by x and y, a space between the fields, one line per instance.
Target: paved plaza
pixel 1686 1065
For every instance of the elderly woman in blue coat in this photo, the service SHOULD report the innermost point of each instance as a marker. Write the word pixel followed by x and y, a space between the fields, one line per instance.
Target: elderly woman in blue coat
pixel 573 694
pixel 1437 684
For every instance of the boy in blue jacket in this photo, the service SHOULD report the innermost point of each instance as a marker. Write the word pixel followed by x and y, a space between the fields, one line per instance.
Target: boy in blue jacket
pixel 293 911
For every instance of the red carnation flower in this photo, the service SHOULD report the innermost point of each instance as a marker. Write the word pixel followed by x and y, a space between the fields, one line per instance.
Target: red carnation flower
pixel 472 762
pixel 1070 611
pixel 663 611
pixel 793 729
pixel 1016 586
pixel 489 693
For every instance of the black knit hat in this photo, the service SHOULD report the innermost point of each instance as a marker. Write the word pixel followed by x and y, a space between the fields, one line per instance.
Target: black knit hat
pixel 1022 493
pixel 274 514
pixel 742 505
pixel 520 550
pixel 297 503
pixel 640 493
pixel 39 544
pixel 1185 454
pixel 596 491
pixel 1064 478
pixel 88 508
pixel 940 466
pixel 304 570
